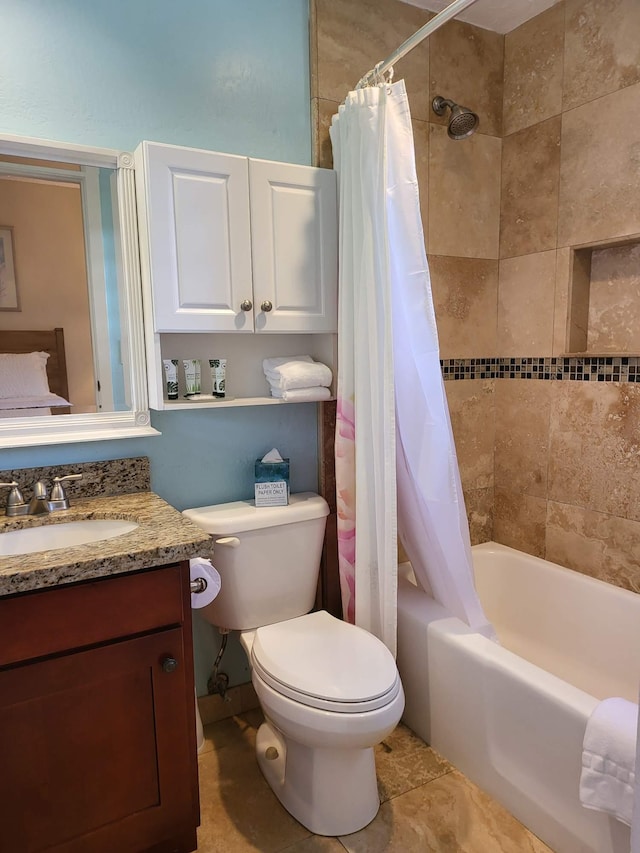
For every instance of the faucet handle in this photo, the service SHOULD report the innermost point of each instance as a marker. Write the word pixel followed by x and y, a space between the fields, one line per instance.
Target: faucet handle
pixel 15 501
pixel 58 495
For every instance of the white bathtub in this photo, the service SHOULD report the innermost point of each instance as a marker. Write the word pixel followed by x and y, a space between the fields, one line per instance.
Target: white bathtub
pixel 512 716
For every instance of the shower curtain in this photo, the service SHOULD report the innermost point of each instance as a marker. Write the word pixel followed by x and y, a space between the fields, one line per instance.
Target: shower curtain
pixel 365 420
pixel 393 430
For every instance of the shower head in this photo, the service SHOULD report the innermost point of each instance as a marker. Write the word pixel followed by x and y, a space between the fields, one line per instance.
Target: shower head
pixel 462 121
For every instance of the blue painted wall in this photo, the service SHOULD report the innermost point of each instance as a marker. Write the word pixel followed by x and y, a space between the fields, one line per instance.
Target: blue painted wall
pixel 206 73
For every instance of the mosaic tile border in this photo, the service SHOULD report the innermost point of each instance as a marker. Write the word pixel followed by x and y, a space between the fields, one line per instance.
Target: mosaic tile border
pixel 577 368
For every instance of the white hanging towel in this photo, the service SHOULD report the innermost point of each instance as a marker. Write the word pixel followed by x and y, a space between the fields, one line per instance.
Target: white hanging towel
pixel 635 822
pixel 609 757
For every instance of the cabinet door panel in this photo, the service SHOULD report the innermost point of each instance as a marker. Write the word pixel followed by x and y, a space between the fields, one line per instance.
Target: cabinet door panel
pixel 95 749
pixel 294 246
pixel 198 230
pixel 202 242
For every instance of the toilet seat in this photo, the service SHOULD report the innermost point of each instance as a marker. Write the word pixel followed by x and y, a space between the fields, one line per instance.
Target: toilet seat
pixel 323 662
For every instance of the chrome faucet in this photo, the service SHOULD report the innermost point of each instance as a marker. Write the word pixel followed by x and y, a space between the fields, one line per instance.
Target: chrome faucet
pixel 40 502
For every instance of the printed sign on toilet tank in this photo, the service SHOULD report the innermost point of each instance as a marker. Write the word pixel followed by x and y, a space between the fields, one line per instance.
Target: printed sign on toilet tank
pixel 272 494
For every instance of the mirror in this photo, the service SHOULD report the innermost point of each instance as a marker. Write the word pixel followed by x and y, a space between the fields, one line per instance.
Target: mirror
pixel 69 287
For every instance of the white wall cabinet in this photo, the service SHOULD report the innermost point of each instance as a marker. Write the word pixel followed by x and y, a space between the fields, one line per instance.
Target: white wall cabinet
pixel 232 244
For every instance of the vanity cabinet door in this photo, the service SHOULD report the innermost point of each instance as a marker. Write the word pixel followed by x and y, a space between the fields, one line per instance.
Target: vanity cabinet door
pixel 294 247
pixel 193 207
pixel 96 753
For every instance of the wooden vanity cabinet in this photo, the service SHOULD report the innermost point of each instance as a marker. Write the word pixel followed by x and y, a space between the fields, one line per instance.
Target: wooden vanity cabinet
pixel 97 729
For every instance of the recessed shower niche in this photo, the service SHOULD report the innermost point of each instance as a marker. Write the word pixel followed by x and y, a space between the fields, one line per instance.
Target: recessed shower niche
pixel 604 299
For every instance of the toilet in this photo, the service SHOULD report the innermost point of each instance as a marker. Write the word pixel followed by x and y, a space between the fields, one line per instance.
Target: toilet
pixel 329 691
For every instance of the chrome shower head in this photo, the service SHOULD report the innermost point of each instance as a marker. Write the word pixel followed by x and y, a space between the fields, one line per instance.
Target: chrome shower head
pixel 462 121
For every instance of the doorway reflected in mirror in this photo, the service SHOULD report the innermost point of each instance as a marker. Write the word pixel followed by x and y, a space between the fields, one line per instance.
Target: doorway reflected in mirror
pixel 9 300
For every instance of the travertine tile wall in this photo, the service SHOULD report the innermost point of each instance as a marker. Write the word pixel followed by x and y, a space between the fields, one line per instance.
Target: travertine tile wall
pixel 549 467
pixel 459 190
pixel 567 454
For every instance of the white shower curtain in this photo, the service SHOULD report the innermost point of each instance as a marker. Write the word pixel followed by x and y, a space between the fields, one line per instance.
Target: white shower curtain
pixel 387 328
pixel 365 427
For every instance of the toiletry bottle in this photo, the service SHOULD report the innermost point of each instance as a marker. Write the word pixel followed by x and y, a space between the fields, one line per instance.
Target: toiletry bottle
pixel 218 368
pixel 171 377
pixel 192 376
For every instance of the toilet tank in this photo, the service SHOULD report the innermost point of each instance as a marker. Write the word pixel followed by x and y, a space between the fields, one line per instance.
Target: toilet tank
pixel 268 559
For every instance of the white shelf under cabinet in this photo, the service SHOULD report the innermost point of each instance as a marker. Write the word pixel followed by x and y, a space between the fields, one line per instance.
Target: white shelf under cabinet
pixel 246 383
pixel 224 403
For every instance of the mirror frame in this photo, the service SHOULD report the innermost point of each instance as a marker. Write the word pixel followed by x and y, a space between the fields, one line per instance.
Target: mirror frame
pixel 101 426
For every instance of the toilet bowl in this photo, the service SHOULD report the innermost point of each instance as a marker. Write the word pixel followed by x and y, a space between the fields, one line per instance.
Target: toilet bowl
pixel 329 691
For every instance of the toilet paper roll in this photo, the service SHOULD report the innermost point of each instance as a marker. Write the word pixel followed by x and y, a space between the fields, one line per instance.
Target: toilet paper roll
pixel 201 568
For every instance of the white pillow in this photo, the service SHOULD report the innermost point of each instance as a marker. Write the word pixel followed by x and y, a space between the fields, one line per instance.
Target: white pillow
pixel 23 374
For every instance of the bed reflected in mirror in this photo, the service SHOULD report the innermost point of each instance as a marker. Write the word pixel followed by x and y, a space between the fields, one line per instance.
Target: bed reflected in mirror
pixel 33 374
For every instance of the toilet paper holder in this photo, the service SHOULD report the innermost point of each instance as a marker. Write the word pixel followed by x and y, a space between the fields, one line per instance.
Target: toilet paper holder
pixel 198 585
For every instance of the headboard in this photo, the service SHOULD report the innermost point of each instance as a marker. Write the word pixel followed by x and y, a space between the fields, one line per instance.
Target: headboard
pixel 47 340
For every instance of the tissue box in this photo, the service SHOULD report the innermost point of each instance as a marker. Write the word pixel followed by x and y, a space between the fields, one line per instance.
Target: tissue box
pixel 272 483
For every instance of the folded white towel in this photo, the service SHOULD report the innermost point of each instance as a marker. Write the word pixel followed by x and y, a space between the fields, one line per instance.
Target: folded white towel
pixel 609 758
pixel 301 394
pixel 272 363
pixel 296 372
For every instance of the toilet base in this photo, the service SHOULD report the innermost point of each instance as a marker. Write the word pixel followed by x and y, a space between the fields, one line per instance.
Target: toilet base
pixel 330 791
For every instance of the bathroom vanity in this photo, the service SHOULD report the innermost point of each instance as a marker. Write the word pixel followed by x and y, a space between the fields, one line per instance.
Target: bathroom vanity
pixel 97 731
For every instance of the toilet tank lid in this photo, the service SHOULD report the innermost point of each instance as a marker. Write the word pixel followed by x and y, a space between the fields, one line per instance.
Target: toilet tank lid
pixel 240 516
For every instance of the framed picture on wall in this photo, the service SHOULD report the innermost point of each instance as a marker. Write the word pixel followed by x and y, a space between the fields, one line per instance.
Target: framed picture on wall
pixel 9 300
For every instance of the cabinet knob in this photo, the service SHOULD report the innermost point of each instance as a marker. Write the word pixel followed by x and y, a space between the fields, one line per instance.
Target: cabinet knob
pixel 266 306
pixel 169 664
pixel 247 305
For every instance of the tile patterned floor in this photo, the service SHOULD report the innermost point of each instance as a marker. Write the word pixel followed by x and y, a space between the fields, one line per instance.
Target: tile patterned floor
pixel 427 805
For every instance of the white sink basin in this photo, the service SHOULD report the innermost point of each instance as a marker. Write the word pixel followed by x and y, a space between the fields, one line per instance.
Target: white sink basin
pixel 67 534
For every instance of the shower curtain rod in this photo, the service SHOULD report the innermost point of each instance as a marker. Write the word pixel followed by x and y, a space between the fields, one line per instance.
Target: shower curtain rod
pixel 374 76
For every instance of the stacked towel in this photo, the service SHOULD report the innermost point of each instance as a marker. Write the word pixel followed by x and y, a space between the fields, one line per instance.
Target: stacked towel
pixel 609 757
pixel 297 378
pixel 301 394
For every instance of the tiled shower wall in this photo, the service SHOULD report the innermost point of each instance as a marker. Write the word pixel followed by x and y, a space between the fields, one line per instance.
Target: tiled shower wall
pixel 567 453
pixel 551 467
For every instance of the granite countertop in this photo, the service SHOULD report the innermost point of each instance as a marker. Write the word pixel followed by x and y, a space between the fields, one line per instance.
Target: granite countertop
pixel 163 536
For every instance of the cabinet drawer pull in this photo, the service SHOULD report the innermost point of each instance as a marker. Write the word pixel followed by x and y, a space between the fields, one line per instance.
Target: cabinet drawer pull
pixel 266 305
pixel 247 305
pixel 169 664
